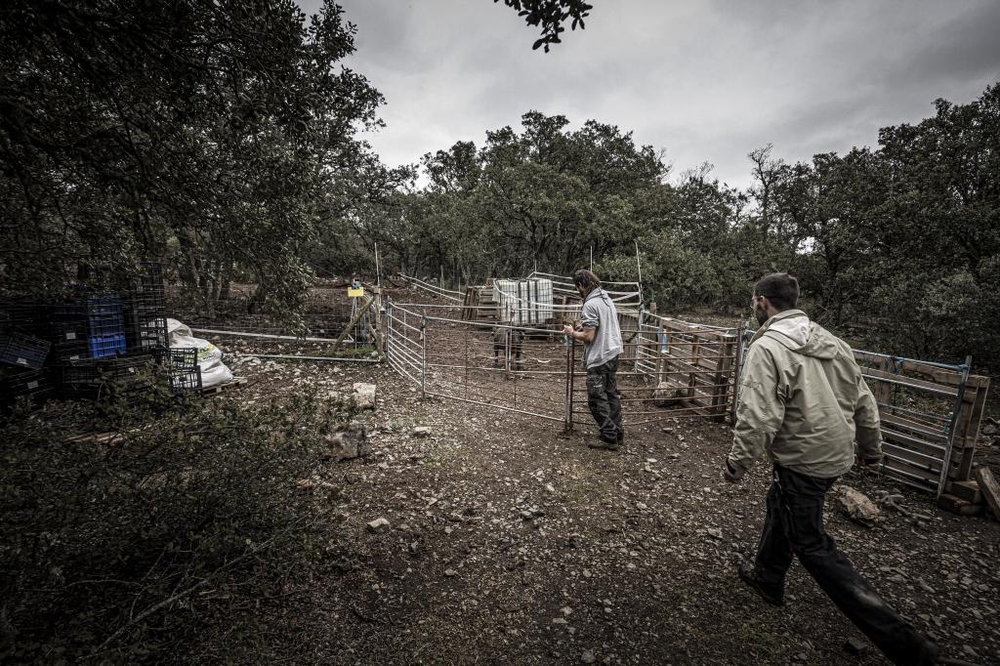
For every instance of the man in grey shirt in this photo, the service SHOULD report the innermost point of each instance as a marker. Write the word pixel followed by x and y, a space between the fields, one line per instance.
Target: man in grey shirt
pixel 602 339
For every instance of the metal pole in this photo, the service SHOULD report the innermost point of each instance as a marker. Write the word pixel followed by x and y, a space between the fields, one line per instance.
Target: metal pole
pixel 570 349
pixel 378 271
pixel 299 357
pixel 423 357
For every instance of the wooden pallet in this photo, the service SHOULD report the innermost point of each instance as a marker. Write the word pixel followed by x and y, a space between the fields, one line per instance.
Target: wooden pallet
pixel 219 388
pixel 479 305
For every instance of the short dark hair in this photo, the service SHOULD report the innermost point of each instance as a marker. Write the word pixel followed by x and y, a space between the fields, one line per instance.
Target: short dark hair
pixel 781 289
pixel 586 279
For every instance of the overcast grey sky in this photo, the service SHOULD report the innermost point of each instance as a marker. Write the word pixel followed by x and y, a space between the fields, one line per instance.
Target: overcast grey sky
pixel 703 80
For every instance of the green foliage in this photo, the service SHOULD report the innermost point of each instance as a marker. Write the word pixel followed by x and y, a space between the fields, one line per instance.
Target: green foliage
pixel 223 128
pixel 899 246
pixel 124 549
pixel 550 14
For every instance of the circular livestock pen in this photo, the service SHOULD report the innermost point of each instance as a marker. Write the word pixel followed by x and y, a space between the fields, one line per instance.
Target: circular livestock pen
pixel 668 367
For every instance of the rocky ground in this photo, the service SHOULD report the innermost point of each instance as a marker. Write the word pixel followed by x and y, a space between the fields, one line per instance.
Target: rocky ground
pixel 504 539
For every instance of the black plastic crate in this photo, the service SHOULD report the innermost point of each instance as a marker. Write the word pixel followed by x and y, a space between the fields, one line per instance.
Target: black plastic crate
pixel 183 370
pixel 66 352
pixel 23 315
pixel 145 333
pixel 68 310
pixel 68 330
pixel 79 372
pixel 125 367
pixel 25 351
pixel 127 376
pixel 37 384
pixel 147 294
pixel 183 358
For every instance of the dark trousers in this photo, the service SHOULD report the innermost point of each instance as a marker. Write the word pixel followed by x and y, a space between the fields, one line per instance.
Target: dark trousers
pixel 794 526
pixel 603 399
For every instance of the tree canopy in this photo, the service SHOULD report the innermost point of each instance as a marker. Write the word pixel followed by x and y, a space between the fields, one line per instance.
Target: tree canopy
pixel 209 132
pixel 220 137
pixel 550 15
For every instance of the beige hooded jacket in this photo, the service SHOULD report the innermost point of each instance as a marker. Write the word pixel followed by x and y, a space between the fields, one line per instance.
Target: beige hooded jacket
pixel 803 401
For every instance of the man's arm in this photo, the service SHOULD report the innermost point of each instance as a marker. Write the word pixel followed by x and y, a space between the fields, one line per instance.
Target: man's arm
pixel 759 414
pixel 585 335
pixel 867 425
pixel 586 330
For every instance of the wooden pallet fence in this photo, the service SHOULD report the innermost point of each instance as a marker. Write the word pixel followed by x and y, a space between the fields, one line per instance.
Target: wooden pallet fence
pixel 920 429
pixel 479 305
pixel 692 362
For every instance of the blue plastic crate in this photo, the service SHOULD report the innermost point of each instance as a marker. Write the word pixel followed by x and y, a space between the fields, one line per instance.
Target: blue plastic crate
pixel 104 316
pixel 104 346
pixel 102 326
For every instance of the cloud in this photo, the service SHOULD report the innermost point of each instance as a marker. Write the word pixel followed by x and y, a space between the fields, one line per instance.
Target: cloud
pixel 706 81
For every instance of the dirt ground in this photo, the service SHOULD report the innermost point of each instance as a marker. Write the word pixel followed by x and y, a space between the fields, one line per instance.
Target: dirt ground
pixel 509 541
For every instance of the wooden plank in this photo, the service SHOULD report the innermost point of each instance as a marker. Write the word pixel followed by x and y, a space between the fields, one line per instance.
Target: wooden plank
pixel 970 432
pixel 938 374
pixel 958 505
pixel 967 490
pixel 921 471
pixel 990 488
pixel 909 477
pixel 928 458
pixel 900 380
pixel 219 388
pixel 913 427
pixel 923 446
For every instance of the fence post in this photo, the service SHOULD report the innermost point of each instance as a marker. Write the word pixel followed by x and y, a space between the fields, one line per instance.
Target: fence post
pixel 738 369
pixel 953 426
pixel 423 356
pixel 570 362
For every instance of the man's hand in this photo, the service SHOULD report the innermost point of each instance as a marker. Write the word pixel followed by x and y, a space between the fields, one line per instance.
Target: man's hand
pixel 870 463
pixel 568 330
pixel 729 473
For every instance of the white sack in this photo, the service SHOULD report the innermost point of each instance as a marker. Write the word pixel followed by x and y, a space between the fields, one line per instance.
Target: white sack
pixel 180 337
pixel 213 370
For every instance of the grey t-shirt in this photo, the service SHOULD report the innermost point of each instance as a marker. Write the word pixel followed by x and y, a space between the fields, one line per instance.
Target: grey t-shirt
pixel 599 313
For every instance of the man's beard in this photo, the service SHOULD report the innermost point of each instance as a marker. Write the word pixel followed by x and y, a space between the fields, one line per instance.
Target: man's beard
pixel 761 315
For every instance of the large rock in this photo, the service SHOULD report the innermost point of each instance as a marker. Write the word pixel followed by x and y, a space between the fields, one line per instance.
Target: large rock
pixel 857 506
pixel 364 395
pixel 349 441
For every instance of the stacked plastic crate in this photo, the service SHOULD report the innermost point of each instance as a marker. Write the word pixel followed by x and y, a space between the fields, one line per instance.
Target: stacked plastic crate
pixel 68 331
pixel 22 352
pixel 183 370
pixel 127 378
pixel 146 312
pixel 105 326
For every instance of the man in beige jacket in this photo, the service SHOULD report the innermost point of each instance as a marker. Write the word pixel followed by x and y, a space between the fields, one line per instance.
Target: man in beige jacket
pixel 804 403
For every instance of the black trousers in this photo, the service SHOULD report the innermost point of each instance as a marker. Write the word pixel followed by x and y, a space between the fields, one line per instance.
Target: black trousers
pixel 794 526
pixel 603 399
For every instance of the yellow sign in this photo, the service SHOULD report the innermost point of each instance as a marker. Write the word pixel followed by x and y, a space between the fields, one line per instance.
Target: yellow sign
pixel 355 293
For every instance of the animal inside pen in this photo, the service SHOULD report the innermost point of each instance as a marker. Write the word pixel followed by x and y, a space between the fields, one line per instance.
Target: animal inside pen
pixel 508 346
